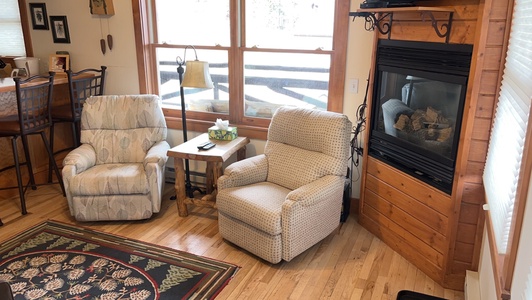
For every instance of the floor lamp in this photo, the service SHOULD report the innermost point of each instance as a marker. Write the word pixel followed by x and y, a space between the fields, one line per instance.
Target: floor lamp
pixel 196 76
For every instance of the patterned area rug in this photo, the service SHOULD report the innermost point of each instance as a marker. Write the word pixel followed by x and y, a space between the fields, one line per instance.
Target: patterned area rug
pixel 54 261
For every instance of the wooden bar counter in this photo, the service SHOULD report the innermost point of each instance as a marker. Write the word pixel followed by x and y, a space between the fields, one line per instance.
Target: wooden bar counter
pixel 39 158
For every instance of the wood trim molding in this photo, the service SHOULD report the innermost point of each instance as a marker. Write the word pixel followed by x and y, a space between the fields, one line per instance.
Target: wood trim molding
pixel 23 9
pixel 140 21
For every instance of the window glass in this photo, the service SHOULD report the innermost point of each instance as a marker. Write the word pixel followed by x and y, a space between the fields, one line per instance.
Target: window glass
pixel 277 79
pixel 11 29
pixel 207 100
pixel 193 22
pixel 290 24
pixel 262 54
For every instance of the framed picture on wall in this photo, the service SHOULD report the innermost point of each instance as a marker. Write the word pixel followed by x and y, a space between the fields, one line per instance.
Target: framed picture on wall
pixel 60 29
pixel 59 63
pixel 39 19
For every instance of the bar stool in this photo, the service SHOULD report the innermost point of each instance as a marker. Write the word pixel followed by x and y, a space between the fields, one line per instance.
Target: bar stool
pixel 34 97
pixel 81 85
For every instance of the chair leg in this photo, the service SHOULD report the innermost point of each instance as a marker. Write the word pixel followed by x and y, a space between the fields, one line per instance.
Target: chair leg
pixel 75 135
pixel 19 177
pixel 28 161
pixel 52 149
pixel 54 164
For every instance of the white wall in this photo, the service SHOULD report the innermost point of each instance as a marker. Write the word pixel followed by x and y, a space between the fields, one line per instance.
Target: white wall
pixel 359 51
pixel 86 31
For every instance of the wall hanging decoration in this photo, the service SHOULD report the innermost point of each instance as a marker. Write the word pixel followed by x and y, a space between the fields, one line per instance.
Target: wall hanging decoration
pixel 39 19
pixel 102 7
pixel 60 29
pixel 108 41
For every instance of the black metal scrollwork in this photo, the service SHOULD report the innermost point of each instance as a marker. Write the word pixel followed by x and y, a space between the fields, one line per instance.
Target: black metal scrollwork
pixel 445 28
pixel 382 23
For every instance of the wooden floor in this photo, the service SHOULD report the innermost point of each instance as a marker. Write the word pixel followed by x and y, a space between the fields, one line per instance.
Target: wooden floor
pixel 349 264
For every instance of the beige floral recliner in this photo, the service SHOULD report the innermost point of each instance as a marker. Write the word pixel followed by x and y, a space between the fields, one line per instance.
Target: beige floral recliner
pixel 118 171
pixel 278 204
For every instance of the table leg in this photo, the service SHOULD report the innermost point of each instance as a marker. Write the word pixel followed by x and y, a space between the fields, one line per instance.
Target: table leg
pixel 209 173
pixel 216 172
pixel 241 153
pixel 180 190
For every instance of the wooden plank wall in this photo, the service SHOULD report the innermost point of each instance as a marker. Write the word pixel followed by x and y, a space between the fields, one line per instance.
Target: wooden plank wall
pixel 449 245
pixel 490 48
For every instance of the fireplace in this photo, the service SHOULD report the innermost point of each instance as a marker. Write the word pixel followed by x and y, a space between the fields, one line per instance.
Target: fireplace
pixel 418 99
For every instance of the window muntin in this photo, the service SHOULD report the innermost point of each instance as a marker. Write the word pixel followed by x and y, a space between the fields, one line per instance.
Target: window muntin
pixel 235 33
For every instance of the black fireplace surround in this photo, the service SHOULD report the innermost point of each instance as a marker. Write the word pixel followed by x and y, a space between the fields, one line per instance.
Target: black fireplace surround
pixel 418 100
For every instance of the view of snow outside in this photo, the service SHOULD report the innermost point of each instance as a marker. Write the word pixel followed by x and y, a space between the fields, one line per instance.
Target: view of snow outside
pixel 271 78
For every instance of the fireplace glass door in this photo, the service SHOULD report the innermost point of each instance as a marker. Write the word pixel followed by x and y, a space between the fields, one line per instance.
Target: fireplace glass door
pixel 420 111
pixel 417 108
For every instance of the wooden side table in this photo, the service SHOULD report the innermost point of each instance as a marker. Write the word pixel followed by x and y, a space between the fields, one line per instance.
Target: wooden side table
pixel 214 158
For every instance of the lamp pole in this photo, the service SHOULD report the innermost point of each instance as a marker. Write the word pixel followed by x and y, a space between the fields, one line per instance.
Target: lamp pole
pixel 197 76
pixel 180 72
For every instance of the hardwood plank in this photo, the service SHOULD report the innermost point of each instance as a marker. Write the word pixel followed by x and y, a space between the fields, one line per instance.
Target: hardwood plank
pixel 410 186
pixel 349 264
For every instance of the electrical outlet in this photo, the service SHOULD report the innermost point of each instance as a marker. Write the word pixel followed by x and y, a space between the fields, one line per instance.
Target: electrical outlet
pixel 353 85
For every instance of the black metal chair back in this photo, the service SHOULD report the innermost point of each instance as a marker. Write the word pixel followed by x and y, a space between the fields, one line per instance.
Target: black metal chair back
pixel 34 100
pixel 81 86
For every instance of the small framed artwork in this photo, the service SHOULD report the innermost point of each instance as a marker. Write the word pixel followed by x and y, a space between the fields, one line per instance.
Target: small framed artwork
pixel 60 29
pixel 102 7
pixel 39 19
pixel 59 63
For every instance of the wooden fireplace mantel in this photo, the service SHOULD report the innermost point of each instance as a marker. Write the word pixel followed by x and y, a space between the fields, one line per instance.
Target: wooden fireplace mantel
pixel 382 18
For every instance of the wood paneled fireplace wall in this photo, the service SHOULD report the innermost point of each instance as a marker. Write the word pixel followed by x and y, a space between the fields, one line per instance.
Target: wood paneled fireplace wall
pixel 441 231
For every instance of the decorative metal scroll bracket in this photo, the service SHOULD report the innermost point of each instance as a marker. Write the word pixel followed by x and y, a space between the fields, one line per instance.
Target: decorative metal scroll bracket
pixel 445 31
pixel 382 23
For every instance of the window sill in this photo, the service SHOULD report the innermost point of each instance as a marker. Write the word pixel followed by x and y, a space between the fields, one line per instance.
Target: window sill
pixel 252 132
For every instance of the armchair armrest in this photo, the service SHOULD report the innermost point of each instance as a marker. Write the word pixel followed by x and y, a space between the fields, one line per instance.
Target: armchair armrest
pixel 316 191
pixel 81 158
pixel 244 172
pixel 157 154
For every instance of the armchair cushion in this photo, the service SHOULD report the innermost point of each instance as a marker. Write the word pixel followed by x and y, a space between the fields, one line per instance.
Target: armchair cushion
pixel 244 172
pixel 130 126
pixel 82 158
pixel 278 204
pixel 118 171
pixel 283 159
pixel 110 179
pixel 264 214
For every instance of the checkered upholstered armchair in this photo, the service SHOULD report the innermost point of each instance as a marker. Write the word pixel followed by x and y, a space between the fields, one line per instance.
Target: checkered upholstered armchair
pixel 117 173
pixel 278 204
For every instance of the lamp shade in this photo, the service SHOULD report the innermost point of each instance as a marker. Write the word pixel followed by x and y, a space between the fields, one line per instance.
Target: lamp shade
pixel 197 75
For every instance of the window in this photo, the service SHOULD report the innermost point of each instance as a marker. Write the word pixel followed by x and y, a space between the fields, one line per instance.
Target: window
pixel 11 29
pixel 508 164
pixel 262 54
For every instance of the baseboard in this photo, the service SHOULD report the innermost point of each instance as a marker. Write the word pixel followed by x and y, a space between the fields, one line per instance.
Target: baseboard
pixel 471 286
